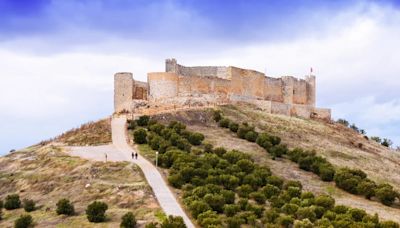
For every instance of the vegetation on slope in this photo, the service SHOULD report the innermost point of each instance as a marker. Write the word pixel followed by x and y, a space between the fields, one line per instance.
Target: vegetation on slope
pixel 92 133
pixel 227 188
pixel 46 175
pixel 354 181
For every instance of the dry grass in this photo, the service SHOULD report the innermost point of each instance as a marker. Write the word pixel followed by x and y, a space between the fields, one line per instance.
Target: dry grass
pixel 92 133
pixel 46 174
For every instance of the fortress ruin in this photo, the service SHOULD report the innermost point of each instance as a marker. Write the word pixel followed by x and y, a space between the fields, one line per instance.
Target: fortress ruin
pixel 184 87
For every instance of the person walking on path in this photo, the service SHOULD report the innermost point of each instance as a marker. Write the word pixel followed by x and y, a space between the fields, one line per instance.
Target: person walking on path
pixel 105 155
pixel 133 156
pixel 136 155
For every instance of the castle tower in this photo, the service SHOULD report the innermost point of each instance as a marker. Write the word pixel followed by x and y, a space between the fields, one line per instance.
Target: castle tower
pixel 123 91
pixel 310 79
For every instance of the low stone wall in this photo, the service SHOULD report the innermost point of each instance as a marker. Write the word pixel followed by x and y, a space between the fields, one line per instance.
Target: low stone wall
pixel 321 113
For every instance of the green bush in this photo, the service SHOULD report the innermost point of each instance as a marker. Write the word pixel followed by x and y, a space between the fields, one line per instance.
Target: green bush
pixel 388 224
pixel 157 128
pixel 198 206
pixel 251 136
pixel 263 140
pixel 29 205
pixel 155 142
pixel 306 213
pixel 326 172
pixel 24 221
pixel 178 127
pixel 220 151
pixel 276 181
pixel 366 188
pixel 243 129
pixel 143 121
pixel 224 123
pixel 140 136
pixel 95 212
pixel 128 220
pixel 209 219
pixel 183 144
pixel 235 222
pixel 151 225
pixel 259 197
pixel 196 138
pixel 231 209
pixel 131 125
pixel 278 150
pixel 176 180
pixel 173 222
pixel 348 180
pixel 271 215
pixel 233 126
pixel 216 201
pixel 289 208
pixel 217 116
pixel 325 201
pixel 244 190
pixel 357 214
pixel 386 194
pixel 340 209
pixel 292 183
pixel 65 207
pixel 285 220
pixel 12 202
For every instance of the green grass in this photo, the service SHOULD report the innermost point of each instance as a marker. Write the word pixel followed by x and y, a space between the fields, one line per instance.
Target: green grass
pixel 147 152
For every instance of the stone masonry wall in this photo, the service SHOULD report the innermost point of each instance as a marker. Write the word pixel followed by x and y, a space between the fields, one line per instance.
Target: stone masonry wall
pixel 182 86
pixel 123 91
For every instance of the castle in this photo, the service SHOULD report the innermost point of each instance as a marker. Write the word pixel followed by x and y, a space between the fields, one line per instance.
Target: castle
pixel 180 86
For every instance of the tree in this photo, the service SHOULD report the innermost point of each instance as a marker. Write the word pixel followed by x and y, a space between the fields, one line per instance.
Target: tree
pixel 29 205
pixel 224 122
pixel 325 201
pixel 12 202
pixel 387 142
pixel 140 136
pixel 196 138
pixel 233 126
pixel 251 136
pixel 231 209
pixel 198 206
pixel 343 122
pixel 143 120
pixel 376 139
pixel 128 220
pixel 173 222
pixel 366 188
pixel 386 194
pixel 65 207
pixel 24 221
pixel 217 116
pixel 95 212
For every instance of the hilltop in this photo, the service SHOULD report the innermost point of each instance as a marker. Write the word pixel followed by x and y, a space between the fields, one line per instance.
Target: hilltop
pixel 47 172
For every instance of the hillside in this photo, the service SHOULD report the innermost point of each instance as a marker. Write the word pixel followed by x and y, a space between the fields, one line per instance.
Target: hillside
pixel 341 146
pixel 46 173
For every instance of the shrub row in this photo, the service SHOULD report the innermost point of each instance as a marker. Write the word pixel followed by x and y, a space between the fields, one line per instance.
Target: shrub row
pixel 350 180
pixel 226 188
pixel 95 211
pixel 161 137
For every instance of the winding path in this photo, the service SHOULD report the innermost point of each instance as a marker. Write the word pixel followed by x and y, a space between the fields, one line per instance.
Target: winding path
pixel 163 194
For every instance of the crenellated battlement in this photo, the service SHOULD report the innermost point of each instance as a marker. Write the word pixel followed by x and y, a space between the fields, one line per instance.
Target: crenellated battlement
pixel 181 86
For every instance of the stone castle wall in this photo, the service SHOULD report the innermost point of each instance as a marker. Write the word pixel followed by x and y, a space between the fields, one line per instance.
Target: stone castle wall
pixel 186 86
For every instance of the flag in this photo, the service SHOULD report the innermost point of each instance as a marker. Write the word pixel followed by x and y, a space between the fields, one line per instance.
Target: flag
pixel 311 70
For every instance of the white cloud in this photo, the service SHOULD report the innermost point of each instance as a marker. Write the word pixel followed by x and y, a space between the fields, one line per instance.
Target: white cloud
pixel 355 57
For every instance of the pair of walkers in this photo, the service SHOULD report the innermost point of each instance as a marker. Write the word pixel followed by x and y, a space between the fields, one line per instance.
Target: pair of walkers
pixel 134 155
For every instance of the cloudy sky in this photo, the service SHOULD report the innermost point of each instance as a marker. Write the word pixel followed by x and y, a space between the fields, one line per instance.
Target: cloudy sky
pixel 57 58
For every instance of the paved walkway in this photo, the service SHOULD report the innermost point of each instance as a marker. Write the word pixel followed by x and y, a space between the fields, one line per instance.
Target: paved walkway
pixel 163 194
